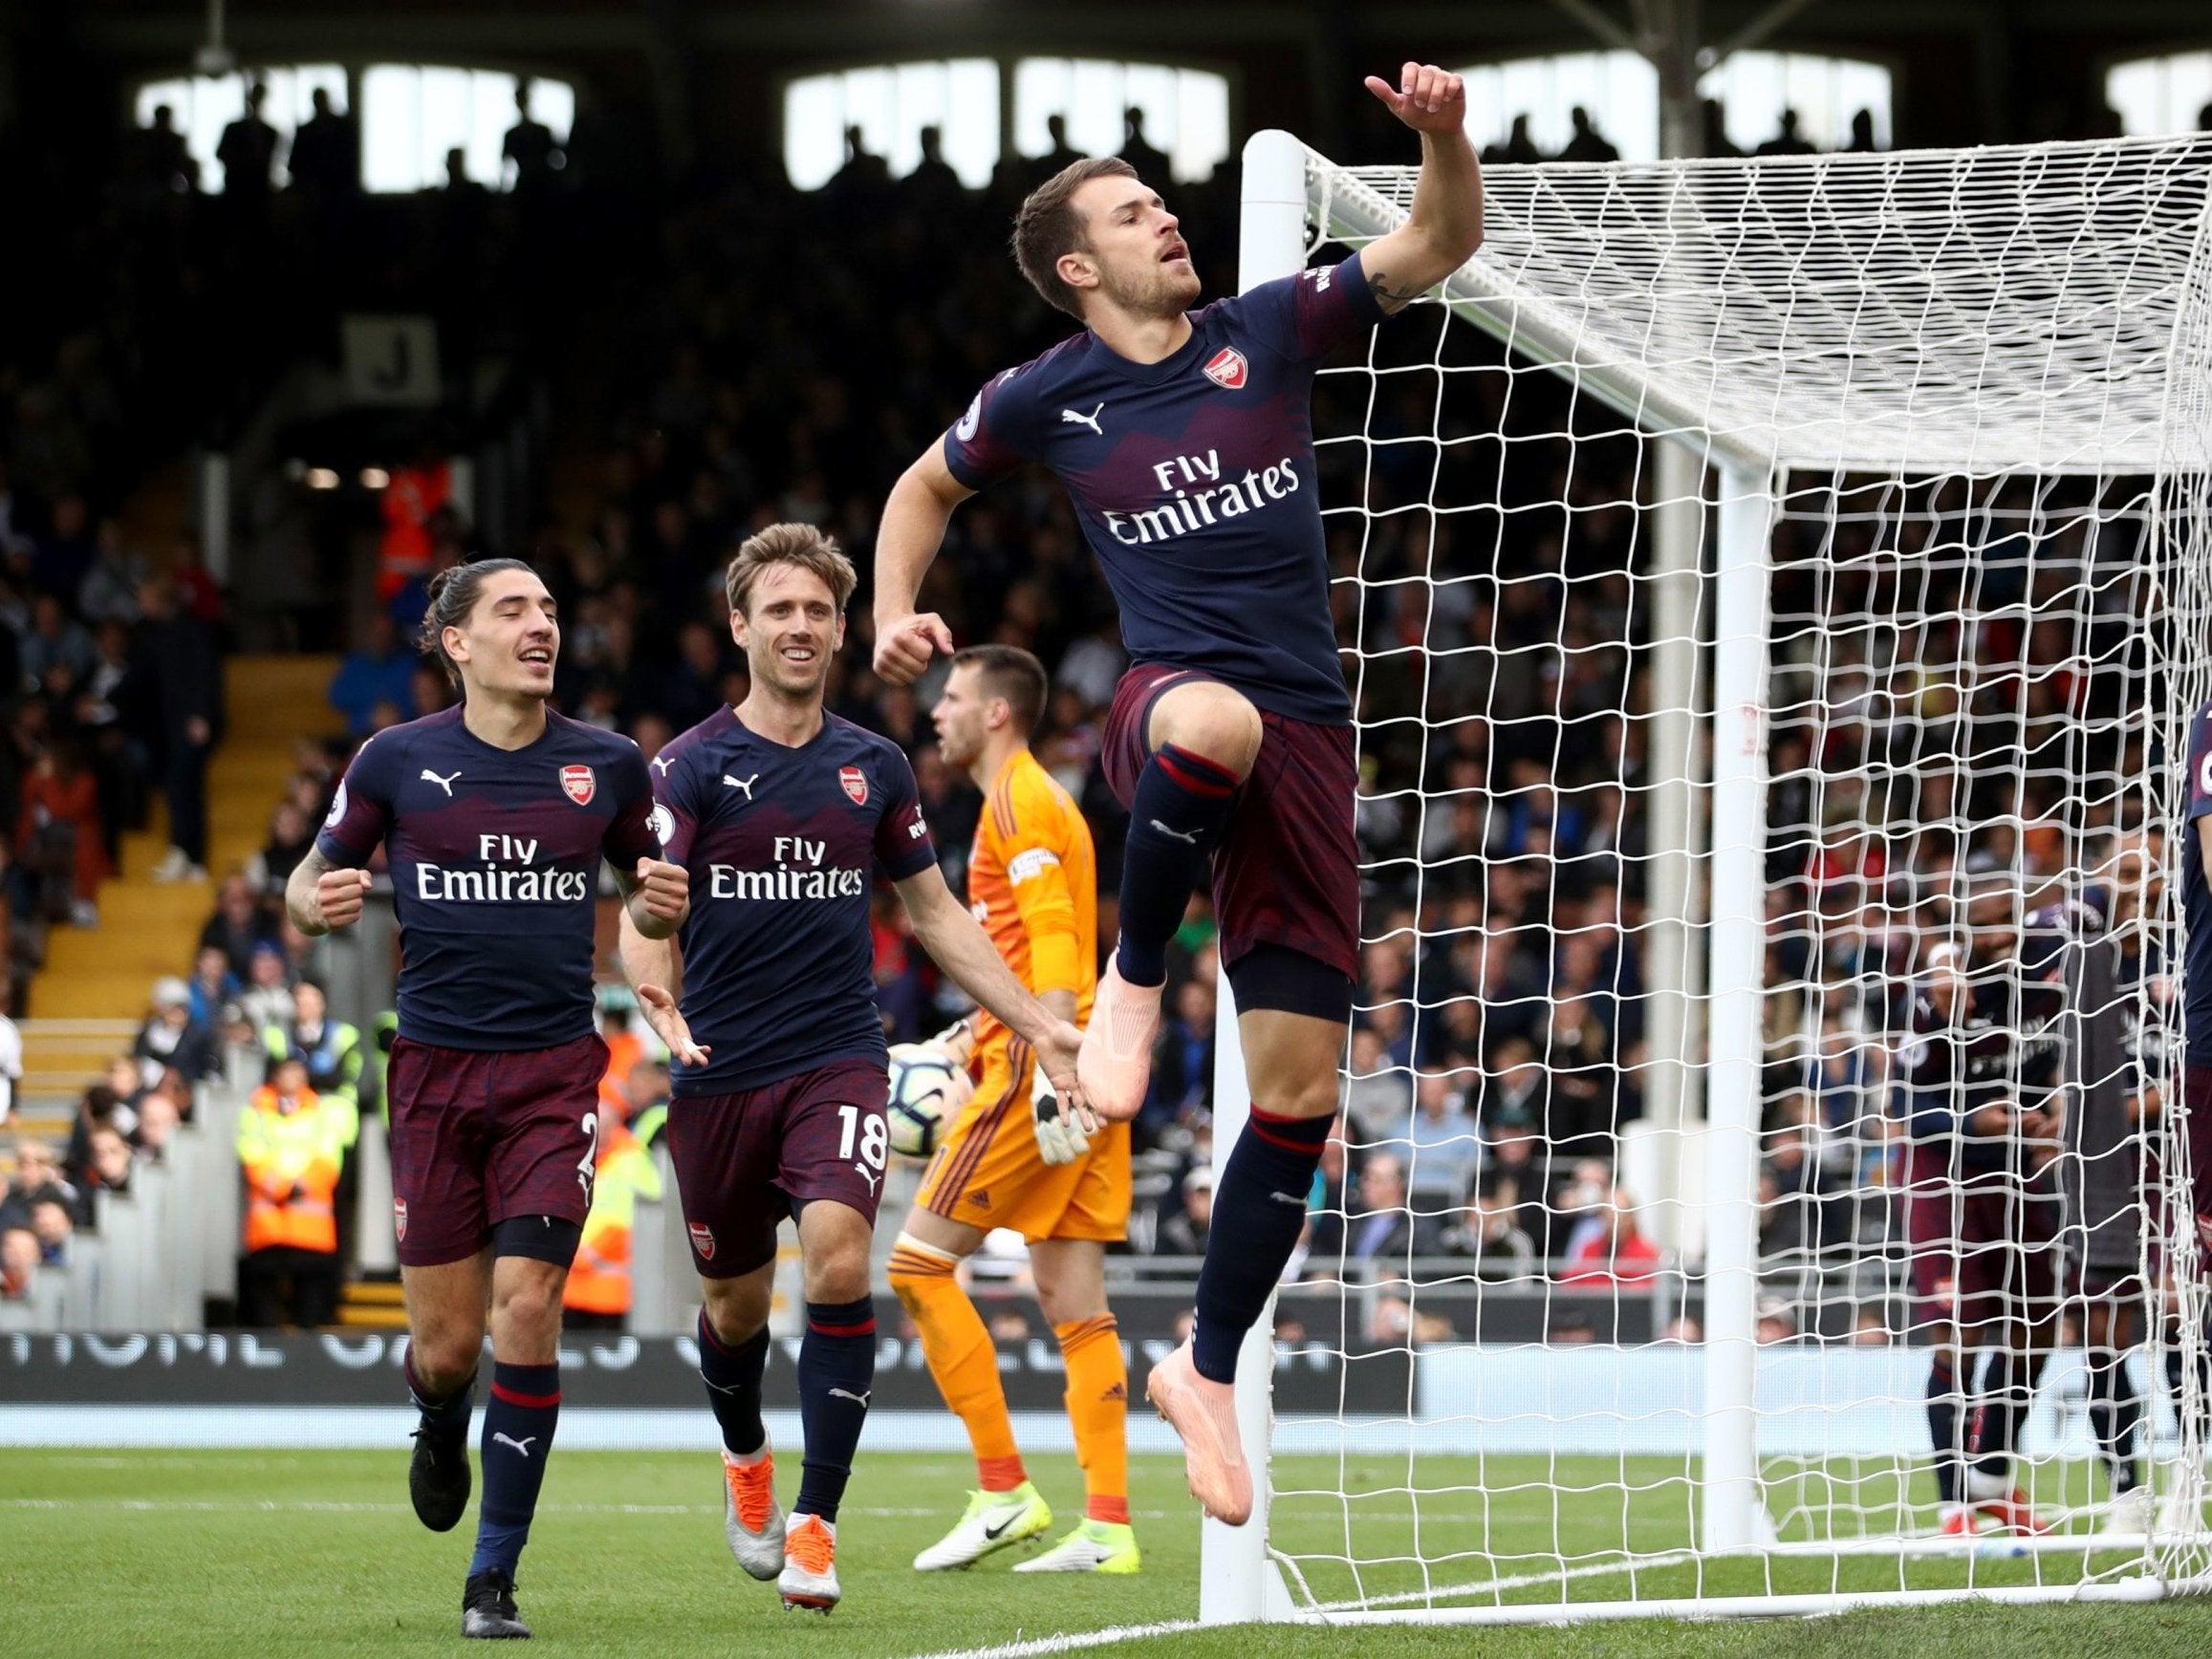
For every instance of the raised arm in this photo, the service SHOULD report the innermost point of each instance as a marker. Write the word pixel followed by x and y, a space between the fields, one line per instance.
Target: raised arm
pixel 912 529
pixel 1445 225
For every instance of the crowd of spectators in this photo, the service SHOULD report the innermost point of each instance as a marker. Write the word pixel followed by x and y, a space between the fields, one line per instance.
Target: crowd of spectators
pixel 1480 536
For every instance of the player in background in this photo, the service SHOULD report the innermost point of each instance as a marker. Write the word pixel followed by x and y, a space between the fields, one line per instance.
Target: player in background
pixel 2186 1501
pixel 1978 1093
pixel 2075 958
pixel 782 813
pixel 1032 881
pixel 495 815
pixel 1185 439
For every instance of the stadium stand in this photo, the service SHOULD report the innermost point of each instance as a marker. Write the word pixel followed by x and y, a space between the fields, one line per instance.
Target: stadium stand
pixel 705 394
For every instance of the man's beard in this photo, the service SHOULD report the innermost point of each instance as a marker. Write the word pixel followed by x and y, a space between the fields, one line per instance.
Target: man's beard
pixel 1160 296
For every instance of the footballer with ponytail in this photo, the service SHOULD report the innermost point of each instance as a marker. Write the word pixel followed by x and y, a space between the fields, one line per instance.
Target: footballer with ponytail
pixel 453 597
pixel 495 815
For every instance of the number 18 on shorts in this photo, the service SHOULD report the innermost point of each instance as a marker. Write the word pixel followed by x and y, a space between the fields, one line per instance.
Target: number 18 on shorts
pixel 745 1160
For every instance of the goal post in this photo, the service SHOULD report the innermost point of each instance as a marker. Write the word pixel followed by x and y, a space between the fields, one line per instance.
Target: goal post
pixel 1844 373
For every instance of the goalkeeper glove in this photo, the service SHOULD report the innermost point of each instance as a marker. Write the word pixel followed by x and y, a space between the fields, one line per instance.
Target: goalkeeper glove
pixel 1060 1135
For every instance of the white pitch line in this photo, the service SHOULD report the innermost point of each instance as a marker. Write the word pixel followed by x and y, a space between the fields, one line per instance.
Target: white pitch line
pixel 1070 1642
pixel 1514 1582
pixel 332 1506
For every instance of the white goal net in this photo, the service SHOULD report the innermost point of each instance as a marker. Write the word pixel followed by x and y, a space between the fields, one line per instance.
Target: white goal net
pixel 1777 593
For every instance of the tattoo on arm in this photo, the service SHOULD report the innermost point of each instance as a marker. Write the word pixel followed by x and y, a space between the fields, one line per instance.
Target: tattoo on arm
pixel 625 881
pixel 1392 299
pixel 300 896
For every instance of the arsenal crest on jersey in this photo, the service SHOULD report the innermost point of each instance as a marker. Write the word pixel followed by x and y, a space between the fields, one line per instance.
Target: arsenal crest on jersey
pixel 703 1240
pixel 1227 368
pixel 855 783
pixel 579 785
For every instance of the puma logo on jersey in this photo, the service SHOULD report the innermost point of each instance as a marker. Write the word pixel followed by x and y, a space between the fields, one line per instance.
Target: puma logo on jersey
pixel 860 1399
pixel 1075 418
pixel 869 1176
pixel 744 783
pixel 446 784
pixel 661 763
pixel 1189 835
pixel 522 1445
pixel 1297 1199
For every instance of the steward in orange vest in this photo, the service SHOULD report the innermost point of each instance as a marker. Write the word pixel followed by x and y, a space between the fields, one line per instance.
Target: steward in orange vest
pixel 291 1146
pixel 598 1286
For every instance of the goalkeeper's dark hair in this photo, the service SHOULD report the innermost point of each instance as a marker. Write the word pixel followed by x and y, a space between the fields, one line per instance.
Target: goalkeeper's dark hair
pixel 1010 672
pixel 1048 227
pixel 453 596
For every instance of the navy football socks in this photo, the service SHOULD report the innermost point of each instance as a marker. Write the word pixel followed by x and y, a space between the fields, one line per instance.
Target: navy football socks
pixel 1944 1411
pixel 1175 816
pixel 1259 1209
pixel 518 1432
pixel 732 1378
pixel 836 1372
pixel 2115 1411
pixel 2007 1395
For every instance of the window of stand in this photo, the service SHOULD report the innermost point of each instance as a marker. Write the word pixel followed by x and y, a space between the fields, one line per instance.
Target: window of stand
pixel 411 116
pixel 2155 95
pixel 202 105
pixel 1620 90
pixel 1185 113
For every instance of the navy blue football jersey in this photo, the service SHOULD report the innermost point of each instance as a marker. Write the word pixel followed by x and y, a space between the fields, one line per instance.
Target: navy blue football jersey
pixel 1194 479
pixel 495 870
pixel 2197 897
pixel 1949 1070
pixel 782 844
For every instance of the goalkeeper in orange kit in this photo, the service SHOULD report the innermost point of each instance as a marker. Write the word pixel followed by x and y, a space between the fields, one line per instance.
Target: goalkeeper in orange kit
pixel 1013 1159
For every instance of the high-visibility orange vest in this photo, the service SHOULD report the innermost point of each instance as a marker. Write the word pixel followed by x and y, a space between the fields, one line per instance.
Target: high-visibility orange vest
pixel 291 1160
pixel 600 1278
pixel 404 552
pixel 624 1050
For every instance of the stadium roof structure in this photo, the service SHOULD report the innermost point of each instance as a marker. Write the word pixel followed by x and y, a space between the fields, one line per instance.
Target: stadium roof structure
pixel 2044 308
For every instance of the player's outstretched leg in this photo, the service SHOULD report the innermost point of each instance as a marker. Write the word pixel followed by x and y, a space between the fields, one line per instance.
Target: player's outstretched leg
pixel 1004 1509
pixel 519 1419
pixel 752 1522
pixel 1097 1401
pixel 437 1478
pixel 518 1435
pixel 1203 738
pixel 837 1374
pixel 1259 1210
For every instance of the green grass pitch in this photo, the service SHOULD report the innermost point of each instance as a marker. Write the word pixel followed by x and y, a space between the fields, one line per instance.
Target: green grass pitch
pixel 220 1552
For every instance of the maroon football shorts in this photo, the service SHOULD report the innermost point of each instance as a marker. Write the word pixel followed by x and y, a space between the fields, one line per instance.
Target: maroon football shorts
pixel 1287 870
pixel 481 1137
pixel 744 1161
pixel 2197 1106
pixel 1984 1245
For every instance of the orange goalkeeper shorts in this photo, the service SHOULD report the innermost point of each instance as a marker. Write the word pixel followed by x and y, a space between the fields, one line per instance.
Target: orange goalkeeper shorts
pixel 989 1174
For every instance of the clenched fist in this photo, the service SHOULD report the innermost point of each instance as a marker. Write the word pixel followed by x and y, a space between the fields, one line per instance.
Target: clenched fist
pixel 905 644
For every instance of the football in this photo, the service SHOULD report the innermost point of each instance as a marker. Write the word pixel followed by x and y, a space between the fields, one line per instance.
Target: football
pixel 928 1088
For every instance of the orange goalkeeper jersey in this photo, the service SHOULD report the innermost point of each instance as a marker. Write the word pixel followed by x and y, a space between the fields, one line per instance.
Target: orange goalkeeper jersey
pixel 1032 881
